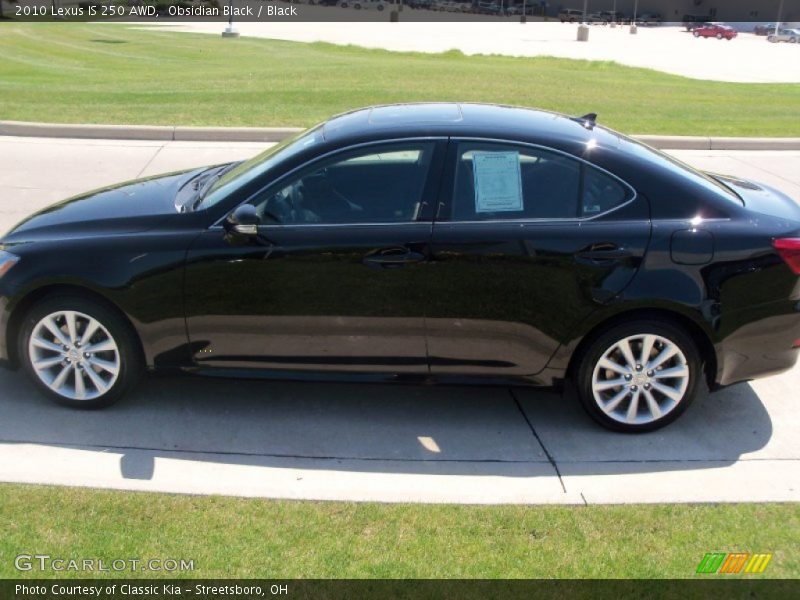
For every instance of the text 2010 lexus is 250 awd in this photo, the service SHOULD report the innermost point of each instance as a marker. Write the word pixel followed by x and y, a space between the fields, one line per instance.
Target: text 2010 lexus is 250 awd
pixel 431 242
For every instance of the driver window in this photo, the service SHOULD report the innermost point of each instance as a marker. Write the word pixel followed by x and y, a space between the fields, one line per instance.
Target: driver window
pixel 372 185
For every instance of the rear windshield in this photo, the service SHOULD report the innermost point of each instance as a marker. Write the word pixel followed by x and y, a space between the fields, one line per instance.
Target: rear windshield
pixel 679 167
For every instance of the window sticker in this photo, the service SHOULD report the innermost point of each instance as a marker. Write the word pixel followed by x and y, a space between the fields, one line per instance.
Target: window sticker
pixel 498 182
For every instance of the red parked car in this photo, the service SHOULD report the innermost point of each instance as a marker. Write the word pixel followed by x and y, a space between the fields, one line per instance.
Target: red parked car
pixel 716 30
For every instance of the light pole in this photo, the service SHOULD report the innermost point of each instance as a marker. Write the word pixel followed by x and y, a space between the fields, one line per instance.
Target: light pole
pixel 778 20
pixel 229 30
pixel 583 28
pixel 635 14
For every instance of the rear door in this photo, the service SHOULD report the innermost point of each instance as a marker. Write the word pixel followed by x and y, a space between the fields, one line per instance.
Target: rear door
pixel 527 243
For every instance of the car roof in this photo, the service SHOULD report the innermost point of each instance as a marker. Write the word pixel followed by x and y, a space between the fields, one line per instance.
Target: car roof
pixel 462 119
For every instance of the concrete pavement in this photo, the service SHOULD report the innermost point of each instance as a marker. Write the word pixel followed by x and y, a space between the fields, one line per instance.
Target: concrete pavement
pixel 378 442
pixel 747 59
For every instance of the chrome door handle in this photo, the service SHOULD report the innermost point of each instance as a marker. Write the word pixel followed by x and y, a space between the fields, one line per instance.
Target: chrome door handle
pixel 393 258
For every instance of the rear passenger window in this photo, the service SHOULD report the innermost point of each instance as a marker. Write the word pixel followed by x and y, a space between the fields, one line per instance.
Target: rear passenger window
pixel 601 192
pixel 498 181
pixel 508 182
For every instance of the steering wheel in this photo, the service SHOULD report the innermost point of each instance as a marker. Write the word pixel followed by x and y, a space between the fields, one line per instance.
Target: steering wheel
pixel 278 198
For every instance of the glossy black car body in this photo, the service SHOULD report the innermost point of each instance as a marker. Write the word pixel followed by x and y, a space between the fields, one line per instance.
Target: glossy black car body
pixel 436 297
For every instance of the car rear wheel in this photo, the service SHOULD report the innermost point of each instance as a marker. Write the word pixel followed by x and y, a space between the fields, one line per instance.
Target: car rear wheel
pixel 78 352
pixel 638 376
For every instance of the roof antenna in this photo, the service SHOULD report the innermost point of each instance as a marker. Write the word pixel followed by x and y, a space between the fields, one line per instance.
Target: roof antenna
pixel 588 121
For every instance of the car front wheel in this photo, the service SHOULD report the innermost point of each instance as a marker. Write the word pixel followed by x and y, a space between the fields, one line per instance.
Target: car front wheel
pixel 638 376
pixel 78 352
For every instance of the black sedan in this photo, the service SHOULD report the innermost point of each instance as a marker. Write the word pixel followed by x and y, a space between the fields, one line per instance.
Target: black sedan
pixel 419 243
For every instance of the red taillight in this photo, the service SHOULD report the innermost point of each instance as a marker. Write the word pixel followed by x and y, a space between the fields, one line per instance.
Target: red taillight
pixel 789 249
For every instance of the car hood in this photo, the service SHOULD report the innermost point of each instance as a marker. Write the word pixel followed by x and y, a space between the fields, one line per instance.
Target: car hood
pixel 128 207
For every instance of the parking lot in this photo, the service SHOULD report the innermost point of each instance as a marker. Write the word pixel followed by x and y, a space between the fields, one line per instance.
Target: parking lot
pixel 748 58
pixel 378 442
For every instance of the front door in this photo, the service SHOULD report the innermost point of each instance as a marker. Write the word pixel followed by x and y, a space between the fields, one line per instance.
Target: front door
pixel 336 278
pixel 528 242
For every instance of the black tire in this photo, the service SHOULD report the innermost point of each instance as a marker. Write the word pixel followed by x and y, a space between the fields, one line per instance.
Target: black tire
pixel 695 34
pixel 131 363
pixel 595 350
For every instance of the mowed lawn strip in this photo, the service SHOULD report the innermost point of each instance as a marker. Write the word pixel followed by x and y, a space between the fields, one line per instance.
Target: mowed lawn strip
pixel 255 538
pixel 113 73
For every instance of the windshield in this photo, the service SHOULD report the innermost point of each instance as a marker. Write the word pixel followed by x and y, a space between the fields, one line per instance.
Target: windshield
pixel 249 170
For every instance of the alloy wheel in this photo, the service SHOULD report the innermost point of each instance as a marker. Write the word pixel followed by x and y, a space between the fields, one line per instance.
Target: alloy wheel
pixel 74 355
pixel 640 379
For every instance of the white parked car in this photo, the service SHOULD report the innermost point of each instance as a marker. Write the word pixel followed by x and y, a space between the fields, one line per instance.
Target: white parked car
pixel 785 35
pixel 451 6
pixel 365 4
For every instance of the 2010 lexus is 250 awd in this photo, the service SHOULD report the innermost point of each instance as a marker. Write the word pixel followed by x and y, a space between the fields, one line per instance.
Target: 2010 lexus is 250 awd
pixel 427 242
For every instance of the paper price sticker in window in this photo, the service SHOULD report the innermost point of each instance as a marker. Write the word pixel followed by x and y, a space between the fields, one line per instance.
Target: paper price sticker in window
pixel 498 182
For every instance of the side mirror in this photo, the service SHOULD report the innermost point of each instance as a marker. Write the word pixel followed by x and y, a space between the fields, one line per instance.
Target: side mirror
pixel 243 221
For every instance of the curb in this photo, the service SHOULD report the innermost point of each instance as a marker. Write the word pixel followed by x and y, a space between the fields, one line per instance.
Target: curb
pixel 165 133
pixel 276 134
pixel 673 142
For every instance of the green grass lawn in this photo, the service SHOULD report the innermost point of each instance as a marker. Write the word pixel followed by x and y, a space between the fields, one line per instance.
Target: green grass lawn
pixel 106 73
pixel 232 537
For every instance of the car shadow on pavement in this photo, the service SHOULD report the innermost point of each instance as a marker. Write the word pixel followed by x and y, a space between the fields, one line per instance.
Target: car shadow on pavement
pixel 434 430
